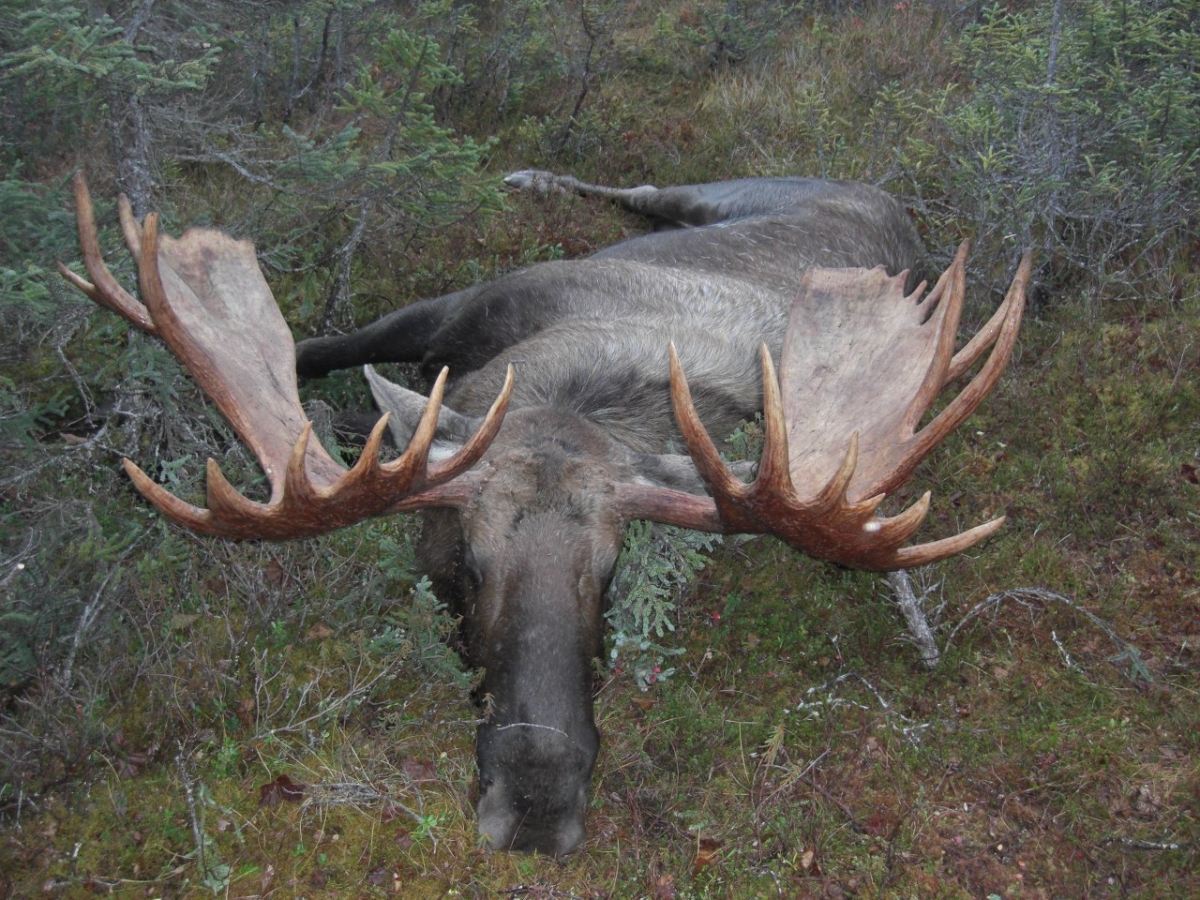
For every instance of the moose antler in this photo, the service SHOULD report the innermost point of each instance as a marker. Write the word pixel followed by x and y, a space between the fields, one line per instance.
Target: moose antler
pixel 862 363
pixel 206 297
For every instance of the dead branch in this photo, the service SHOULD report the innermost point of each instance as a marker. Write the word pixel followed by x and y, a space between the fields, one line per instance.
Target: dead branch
pixel 1029 597
pixel 912 608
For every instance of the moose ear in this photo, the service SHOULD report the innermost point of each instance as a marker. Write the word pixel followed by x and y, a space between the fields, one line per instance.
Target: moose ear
pixel 406 408
pixel 672 470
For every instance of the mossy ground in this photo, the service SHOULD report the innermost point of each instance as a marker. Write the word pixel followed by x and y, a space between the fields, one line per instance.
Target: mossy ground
pixel 273 722
pixel 800 749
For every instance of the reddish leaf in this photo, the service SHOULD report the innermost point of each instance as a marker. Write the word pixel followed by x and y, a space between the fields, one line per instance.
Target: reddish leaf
pixel 131 764
pixel 418 769
pixel 809 863
pixel 707 852
pixel 246 712
pixel 1189 473
pixel 282 788
pixel 319 632
pixel 876 824
pixel 274 573
pixel 662 887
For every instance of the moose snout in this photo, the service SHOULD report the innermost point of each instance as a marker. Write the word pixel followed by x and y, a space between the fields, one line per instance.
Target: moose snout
pixel 510 823
pixel 533 787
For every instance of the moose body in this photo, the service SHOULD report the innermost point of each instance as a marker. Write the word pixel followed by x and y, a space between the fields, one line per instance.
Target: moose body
pixel 526 567
pixel 717 277
pixel 526 500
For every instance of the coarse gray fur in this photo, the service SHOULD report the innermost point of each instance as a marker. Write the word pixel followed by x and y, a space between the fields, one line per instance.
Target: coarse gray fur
pixel 527 563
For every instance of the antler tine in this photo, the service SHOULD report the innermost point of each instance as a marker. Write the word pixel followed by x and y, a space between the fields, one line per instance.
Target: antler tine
pixel 411 465
pixel 234 515
pixel 934 297
pixel 151 285
pixel 296 489
pixel 950 292
pixel 472 451
pixel 773 470
pixel 178 511
pixel 703 452
pixel 103 288
pixel 966 402
pixel 833 495
pixel 130 227
pixel 892 531
pixel 934 551
pixel 986 336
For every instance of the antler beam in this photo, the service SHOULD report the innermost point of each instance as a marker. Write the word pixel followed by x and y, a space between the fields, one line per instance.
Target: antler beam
pixel 862 363
pixel 206 297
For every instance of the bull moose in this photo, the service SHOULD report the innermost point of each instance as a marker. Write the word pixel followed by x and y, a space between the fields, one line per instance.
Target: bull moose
pixel 566 406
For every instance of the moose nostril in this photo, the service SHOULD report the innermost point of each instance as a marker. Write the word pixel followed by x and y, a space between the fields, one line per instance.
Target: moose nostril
pixel 570 838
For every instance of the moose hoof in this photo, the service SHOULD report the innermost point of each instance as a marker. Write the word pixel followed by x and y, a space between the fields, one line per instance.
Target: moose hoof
pixel 314 357
pixel 537 181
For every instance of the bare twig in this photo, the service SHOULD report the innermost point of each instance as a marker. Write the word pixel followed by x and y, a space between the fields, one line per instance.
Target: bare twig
pixel 907 727
pixel 323 795
pixel 13 566
pixel 1028 597
pixel 1067 661
pixel 267 706
pixel 91 613
pixel 194 813
pixel 912 608
pixel 1150 845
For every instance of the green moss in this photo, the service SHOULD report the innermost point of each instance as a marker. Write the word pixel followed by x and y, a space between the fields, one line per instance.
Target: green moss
pixel 800 749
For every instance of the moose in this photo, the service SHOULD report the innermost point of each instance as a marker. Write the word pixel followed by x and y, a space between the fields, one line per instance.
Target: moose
pixel 571 397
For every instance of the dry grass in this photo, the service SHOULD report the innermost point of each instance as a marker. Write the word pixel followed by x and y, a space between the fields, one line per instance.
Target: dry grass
pixel 246 721
pixel 800 750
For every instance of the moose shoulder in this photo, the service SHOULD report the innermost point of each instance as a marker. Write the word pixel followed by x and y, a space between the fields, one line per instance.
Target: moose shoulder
pixel 566 405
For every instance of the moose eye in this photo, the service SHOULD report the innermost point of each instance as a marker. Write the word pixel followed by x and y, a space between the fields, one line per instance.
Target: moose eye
pixel 471 567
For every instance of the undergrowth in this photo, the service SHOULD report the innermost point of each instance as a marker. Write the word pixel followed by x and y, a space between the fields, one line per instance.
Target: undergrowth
pixel 189 717
pixel 657 565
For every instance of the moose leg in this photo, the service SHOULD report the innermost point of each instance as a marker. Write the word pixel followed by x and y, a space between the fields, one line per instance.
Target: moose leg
pixel 881 228
pixel 542 183
pixel 691 205
pixel 400 336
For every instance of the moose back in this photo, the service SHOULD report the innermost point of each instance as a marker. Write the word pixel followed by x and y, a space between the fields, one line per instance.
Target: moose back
pixel 566 408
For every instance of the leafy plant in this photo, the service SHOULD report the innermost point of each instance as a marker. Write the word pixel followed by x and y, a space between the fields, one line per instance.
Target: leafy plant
pixel 87 69
pixel 730 32
pixel 1077 139
pixel 417 629
pixel 656 566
